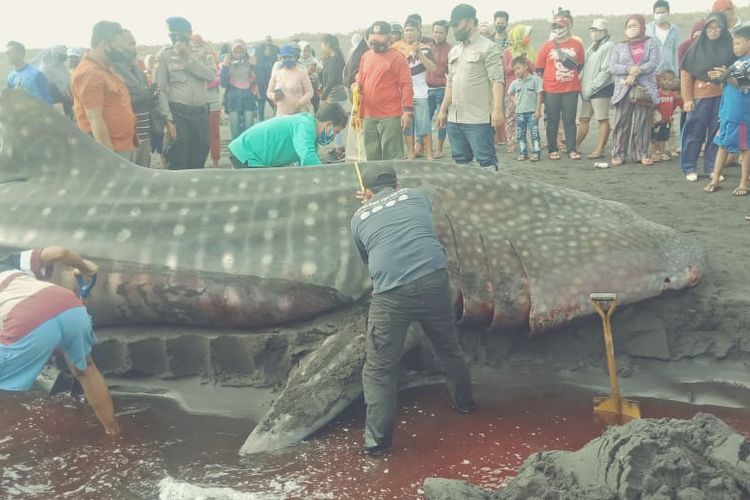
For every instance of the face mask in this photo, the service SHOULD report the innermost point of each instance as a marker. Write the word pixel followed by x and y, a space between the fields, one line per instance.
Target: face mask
pixel 632 32
pixel 500 28
pixel 558 33
pixel 379 47
pixel 661 18
pixel 326 137
pixel 116 56
pixel 597 35
pixel 288 63
pixel 461 35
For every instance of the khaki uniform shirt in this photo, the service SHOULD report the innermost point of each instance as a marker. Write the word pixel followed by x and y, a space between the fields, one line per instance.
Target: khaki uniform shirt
pixel 473 67
pixel 183 81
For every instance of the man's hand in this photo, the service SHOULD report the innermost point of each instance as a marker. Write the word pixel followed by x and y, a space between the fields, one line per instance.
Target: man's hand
pixel 88 269
pixel 406 120
pixel 171 130
pixel 364 196
pixel 442 119
pixel 630 81
pixel 689 106
pixel 634 70
pixel 498 118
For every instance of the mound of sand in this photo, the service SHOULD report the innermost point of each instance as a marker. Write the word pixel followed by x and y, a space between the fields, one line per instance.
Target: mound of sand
pixel 655 459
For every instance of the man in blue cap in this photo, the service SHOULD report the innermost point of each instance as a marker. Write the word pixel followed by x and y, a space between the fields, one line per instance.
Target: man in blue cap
pixel 183 72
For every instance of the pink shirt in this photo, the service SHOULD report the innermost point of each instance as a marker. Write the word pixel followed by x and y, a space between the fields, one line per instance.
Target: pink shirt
pixel 297 88
pixel 637 50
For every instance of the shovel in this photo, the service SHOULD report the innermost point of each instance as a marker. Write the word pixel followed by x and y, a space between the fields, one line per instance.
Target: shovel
pixel 614 405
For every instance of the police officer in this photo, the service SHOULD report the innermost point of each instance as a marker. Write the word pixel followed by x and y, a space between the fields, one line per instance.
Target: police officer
pixel 182 75
pixel 395 237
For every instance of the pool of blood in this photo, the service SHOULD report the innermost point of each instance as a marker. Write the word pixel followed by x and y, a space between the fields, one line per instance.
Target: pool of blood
pixel 53 448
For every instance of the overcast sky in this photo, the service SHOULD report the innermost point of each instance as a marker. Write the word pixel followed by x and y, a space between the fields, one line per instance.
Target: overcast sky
pixel 68 22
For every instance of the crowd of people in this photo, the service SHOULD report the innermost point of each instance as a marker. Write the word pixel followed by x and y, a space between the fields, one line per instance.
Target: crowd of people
pixel 400 85
pixel 384 101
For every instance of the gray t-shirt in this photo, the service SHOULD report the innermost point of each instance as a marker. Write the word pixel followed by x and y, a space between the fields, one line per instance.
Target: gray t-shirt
pixel 396 239
pixel 525 92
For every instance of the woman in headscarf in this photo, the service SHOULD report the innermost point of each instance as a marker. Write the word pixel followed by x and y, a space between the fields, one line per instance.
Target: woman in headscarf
pixel 290 87
pixel 701 93
pixel 633 65
pixel 214 101
pixel 308 61
pixel 241 95
pixel 51 62
pixel 519 38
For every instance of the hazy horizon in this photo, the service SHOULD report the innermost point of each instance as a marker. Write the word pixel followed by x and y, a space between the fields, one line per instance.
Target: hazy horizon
pixel 69 23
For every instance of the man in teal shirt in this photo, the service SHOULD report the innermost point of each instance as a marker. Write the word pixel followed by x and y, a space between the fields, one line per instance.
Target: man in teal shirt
pixel 286 140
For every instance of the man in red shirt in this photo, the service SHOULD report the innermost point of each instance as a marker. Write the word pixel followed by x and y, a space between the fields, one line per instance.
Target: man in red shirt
pixel 387 96
pixel 436 78
pixel 101 98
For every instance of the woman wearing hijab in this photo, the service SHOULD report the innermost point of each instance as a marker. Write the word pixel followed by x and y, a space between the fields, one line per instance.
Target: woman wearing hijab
pixel 290 87
pixel 519 38
pixel 51 62
pixel 701 93
pixel 241 88
pixel 308 61
pixel 559 62
pixel 633 65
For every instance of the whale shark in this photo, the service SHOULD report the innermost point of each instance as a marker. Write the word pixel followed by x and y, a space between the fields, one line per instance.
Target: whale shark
pixel 253 248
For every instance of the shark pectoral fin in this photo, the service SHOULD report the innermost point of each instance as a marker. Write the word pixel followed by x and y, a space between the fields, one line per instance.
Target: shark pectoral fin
pixel 322 386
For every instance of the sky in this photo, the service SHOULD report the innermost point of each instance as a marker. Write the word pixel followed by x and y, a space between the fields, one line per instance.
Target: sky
pixel 43 23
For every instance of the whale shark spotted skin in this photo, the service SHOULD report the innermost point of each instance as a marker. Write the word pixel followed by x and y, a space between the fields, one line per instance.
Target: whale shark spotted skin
pixel 257 247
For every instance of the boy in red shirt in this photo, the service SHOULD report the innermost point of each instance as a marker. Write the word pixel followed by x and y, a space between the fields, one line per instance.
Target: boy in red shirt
pixel 669 101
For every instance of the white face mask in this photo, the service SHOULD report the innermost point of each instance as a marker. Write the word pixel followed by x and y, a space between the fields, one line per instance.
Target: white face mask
pixel 597 35
pixel 661 18
pixel 559 33
pixel 632 32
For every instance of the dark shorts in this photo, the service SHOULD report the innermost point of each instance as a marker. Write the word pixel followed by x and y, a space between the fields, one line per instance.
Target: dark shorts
pixel 733 136
pixel 661 131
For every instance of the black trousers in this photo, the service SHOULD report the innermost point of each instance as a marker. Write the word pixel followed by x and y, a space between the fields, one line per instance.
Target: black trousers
pixel 427 300
pixel 190 148
pixel 557 105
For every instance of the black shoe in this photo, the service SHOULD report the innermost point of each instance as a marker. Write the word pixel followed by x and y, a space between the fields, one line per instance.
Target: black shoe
pixel 376 451
pixel 465 409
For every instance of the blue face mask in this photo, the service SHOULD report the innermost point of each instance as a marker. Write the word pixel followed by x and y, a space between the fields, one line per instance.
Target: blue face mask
pixel 288 63
pixel 326 137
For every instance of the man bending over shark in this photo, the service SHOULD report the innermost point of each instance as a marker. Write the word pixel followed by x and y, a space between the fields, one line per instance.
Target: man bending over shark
pixel 37 317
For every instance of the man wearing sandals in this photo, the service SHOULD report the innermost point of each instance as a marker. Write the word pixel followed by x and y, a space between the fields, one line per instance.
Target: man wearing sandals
pixel 734 114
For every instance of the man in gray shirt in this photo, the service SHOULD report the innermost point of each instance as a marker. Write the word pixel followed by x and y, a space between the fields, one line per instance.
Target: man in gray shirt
pixel 395 237
pixel 182 76
pixel 474 93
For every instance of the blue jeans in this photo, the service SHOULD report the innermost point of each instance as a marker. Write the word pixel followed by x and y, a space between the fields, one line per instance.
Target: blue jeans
pixel 239 121
pixel 700 125
pixel 524 122
pixel 435 97
pixel 473 140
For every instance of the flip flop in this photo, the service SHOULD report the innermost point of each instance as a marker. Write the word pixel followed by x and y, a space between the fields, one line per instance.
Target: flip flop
pixel 739 192
pixel 711 188
pixel 593 156
pixel 554 156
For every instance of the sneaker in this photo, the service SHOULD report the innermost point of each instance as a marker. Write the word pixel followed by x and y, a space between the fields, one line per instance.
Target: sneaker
pixel 692 177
